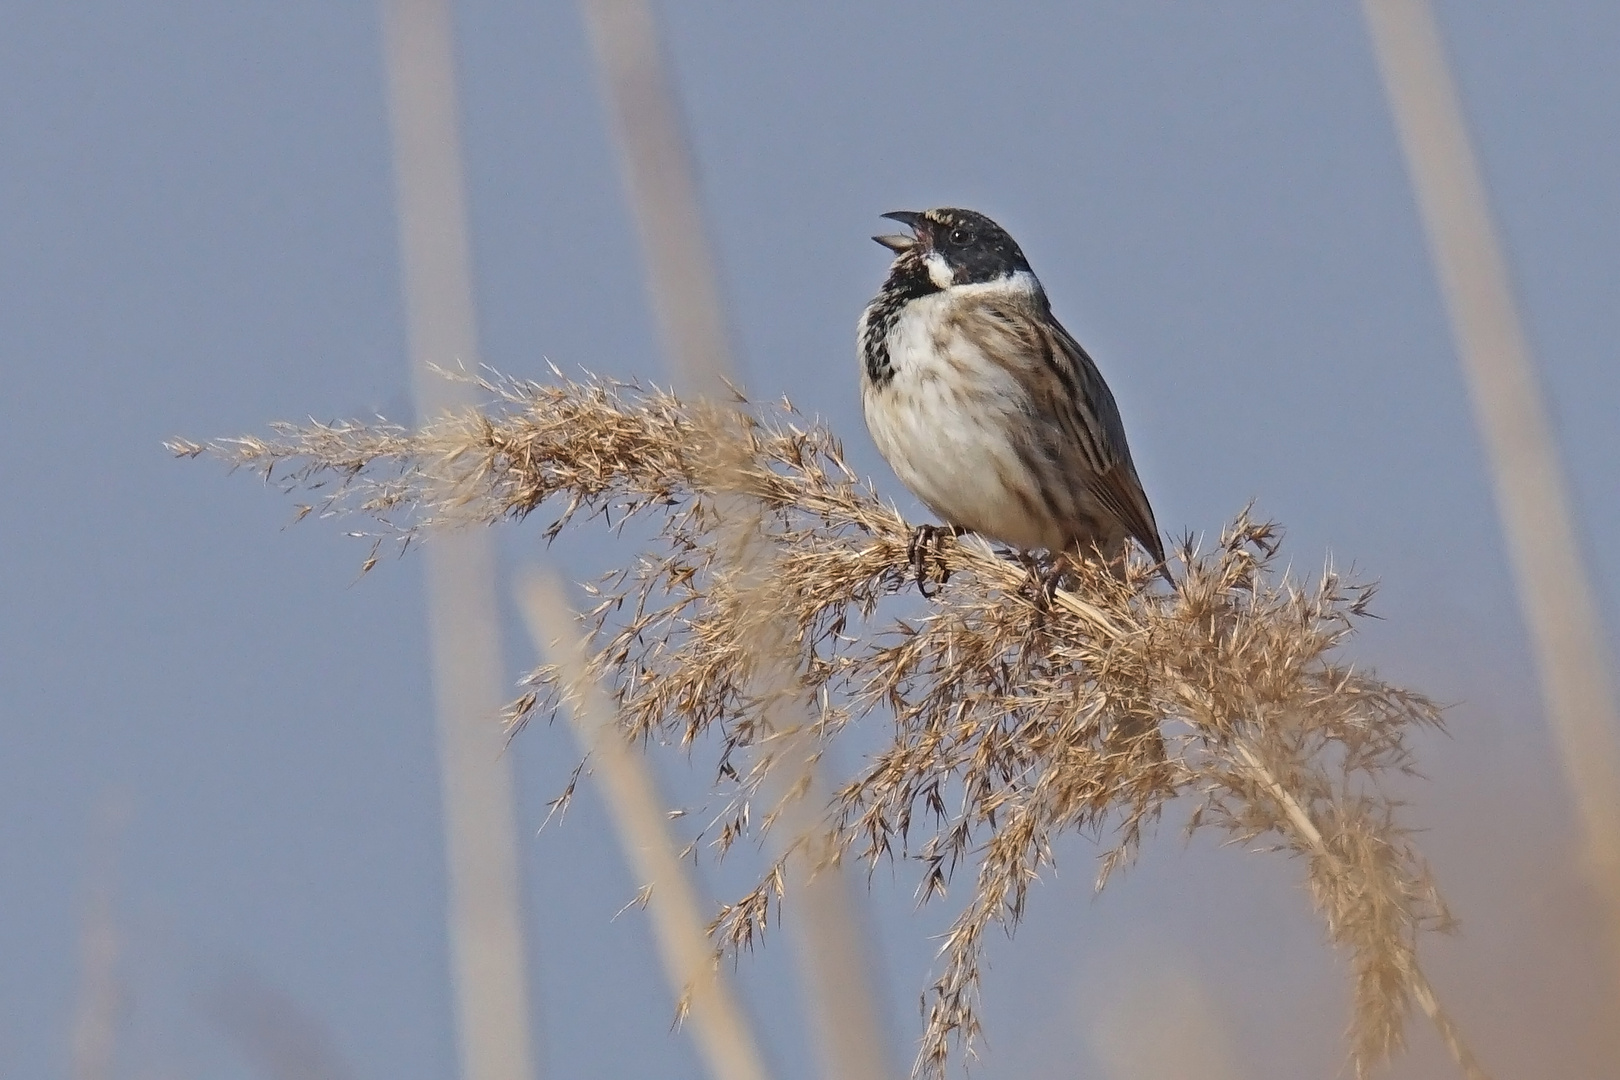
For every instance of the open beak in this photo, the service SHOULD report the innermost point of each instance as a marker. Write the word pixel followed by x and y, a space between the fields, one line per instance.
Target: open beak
pixel 896 242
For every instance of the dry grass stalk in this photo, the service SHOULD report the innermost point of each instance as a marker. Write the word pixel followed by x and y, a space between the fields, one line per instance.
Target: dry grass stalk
pixel 704 994
pixel 1555 581
pixel 662 187
pixel 1015 718
pixel 484 910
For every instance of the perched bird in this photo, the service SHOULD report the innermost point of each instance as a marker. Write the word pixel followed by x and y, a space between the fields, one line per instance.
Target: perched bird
pixel 985 407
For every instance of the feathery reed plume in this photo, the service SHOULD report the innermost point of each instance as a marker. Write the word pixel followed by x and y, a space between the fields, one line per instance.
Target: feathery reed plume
pixel 1018 712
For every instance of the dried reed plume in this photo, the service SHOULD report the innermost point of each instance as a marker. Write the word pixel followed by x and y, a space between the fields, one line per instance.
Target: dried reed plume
pixel 1018 712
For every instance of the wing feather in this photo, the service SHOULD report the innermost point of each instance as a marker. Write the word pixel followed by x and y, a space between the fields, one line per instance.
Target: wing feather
pixel 1063 380
pixel 1114 483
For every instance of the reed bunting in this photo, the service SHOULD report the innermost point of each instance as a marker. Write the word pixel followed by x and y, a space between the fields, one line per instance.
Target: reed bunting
pixel 985 407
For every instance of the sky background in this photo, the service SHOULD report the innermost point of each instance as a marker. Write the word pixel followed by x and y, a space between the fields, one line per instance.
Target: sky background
pixel 211 720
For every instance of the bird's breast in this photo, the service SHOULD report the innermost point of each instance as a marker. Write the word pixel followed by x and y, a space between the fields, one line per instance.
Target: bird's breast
pixel 954 423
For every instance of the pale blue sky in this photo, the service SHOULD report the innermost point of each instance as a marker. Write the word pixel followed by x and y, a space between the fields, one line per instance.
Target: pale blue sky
pixel 197 238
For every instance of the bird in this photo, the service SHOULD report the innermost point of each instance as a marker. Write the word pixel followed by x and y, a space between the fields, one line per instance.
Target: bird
pixel 986 408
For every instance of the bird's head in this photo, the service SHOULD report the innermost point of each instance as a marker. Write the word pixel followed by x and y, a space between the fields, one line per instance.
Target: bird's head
pixel 955 247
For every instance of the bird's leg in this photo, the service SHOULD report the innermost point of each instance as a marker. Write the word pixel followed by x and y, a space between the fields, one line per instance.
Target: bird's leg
pixel 1055 578
pixel 1045 581
pixel 952 531
pixel 1036 581
pixel 921 537
pixel 925 543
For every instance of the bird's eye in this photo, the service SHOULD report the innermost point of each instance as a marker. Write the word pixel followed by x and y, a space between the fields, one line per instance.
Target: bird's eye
pixel 961 237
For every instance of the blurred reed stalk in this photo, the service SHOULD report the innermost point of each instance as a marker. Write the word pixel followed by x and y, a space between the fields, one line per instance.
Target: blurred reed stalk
pixel 274 1033
pixel 662 186
pixel 706 1002
pixel 1161 1021
pixel 101 998
pixel 1572 653
pixel 488 954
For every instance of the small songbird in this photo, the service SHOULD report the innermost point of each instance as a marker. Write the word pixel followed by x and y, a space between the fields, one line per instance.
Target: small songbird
pixel 985 407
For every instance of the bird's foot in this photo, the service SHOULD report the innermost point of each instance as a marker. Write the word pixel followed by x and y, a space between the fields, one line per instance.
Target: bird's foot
pixel 1044 582
pixel 925 548
pixel 1054 579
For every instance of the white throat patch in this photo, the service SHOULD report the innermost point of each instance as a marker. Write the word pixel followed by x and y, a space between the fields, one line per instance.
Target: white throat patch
pixel 938 272
pixel 1018 283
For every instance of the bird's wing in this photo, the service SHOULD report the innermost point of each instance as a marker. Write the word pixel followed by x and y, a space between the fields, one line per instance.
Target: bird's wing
pixel 1114 481
pixel 1121 491
pixel 1059 374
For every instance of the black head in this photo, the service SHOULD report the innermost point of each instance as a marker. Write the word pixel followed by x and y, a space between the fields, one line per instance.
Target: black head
pixel 964 244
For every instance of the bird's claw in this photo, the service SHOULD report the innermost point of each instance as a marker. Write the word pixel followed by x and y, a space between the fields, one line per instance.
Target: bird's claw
pixel 924 548
pixel 1044 582
pixel 1052 580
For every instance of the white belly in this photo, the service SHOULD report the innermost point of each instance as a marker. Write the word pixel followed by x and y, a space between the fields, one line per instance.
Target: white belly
pixel 947 422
